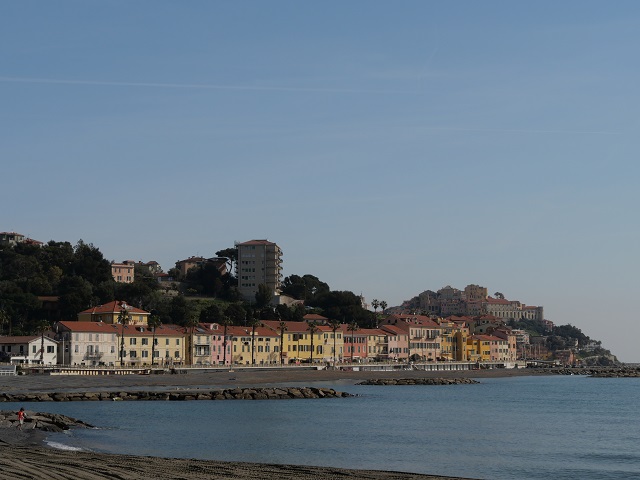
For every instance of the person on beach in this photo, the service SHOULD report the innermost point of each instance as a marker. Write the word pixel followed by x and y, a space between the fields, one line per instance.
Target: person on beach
pixel 21 416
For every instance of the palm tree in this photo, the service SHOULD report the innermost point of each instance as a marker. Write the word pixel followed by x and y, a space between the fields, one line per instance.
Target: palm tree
pixel 335 325
pixel 123 319
pixel 375 304
pixel 253 322
pixel 153 322
pixel 353 326
pixel 283 328
pixel 225 321
pixel 192 323
pixel 313 328
pixel 43 326
pixel 383 306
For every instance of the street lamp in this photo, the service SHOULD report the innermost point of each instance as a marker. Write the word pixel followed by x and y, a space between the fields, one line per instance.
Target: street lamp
pixel 123 318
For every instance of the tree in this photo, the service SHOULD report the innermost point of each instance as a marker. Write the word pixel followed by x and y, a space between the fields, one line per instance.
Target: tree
pixel 4 318
pixel 179 310
pixel 335 325
pixel 236 313
pixel 153 322
pixel 283 328
pixel 307 288
pixel 353 327
pixel 231 254
pixel 383 306
pixel 192 323
pixel 123 319
pixel 499 295
pixel 43 326
pixel 375 304
pixel 313 328
pixel 253 322
pixel 90 264
pixel 264 295
pixel 225 321
pixel 210 314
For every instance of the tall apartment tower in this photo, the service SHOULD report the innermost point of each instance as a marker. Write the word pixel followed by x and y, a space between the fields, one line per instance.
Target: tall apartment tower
pixel 259 262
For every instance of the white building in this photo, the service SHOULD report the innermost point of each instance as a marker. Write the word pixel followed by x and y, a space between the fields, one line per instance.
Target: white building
pixel 32 349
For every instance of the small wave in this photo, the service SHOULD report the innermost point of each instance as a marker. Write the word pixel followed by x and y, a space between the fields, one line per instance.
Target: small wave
pixel 62 446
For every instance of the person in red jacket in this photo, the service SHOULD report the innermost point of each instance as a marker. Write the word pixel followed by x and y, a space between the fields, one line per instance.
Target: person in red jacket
pixel 21 417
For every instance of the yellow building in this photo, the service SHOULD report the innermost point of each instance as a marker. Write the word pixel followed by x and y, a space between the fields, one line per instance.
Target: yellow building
pixel 330 340
pixel 263 350
pixel 110 313
pixel 170 341
pixel 454 340
pixel 479 348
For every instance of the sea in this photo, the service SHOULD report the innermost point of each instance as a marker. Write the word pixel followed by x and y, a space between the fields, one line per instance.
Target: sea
pixel 530 427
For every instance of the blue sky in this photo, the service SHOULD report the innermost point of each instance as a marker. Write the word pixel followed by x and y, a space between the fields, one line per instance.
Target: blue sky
pixel 387 147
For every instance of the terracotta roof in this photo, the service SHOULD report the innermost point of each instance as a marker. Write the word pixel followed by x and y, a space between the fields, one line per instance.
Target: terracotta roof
pixel 394 330
pixel 19 339
pixel 100 327
pixel 257 242
pixel 292 327
pixel 314 316
pixel 497 301
pixel 113 307
pixel 246 331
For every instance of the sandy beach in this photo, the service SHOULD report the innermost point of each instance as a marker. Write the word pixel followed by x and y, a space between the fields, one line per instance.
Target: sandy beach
pixel 23 456
pixel 225 378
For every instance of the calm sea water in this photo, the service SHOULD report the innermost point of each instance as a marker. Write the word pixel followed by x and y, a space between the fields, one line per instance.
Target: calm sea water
pixel 509 428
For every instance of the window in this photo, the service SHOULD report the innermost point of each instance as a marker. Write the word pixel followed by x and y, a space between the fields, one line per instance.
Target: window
pixel 33 349
pixel 145 341
pixel 177 341
pixel 50 349
pixel 75 349
pixel 133 354
pixel 176 354
pixel 113 349
pixel 132 341
pixel 145 354
pixel 166 341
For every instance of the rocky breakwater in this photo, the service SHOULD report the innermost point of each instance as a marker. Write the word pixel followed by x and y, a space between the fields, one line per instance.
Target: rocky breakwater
pixel 597 372
pixel 276 393
pixel 419 381
pixel 47 422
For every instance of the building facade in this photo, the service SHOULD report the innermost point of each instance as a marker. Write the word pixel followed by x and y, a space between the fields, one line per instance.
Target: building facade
pixel 259 262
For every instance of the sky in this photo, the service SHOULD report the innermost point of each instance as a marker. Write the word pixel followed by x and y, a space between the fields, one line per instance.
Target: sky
pixel 387 147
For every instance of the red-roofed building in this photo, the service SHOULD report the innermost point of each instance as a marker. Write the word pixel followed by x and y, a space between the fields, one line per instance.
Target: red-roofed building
pixel 110 313
pixel 28 349
pixel 98 343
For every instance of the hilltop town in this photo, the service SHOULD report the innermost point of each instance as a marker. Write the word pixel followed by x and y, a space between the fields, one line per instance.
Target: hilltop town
pixel 67 305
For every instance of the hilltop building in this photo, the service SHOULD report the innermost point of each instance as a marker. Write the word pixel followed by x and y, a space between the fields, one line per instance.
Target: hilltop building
pixel 123 272
pixel 259 262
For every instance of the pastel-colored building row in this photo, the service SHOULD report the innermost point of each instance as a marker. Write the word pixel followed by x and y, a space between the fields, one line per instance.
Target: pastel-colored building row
pixel 116 334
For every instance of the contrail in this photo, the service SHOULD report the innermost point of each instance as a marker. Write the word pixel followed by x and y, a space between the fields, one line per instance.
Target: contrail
pixel 202 86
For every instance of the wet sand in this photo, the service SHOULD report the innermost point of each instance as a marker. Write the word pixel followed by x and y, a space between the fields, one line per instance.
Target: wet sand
pixel 23 456
pixel 240 378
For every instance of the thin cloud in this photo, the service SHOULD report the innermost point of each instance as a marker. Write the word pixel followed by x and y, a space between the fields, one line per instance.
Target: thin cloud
pixel 201 86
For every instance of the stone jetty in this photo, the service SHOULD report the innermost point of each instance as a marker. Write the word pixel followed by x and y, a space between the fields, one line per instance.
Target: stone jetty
pixel 47 422
pixel 275 393
pixel 419 381
pixel 597 372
